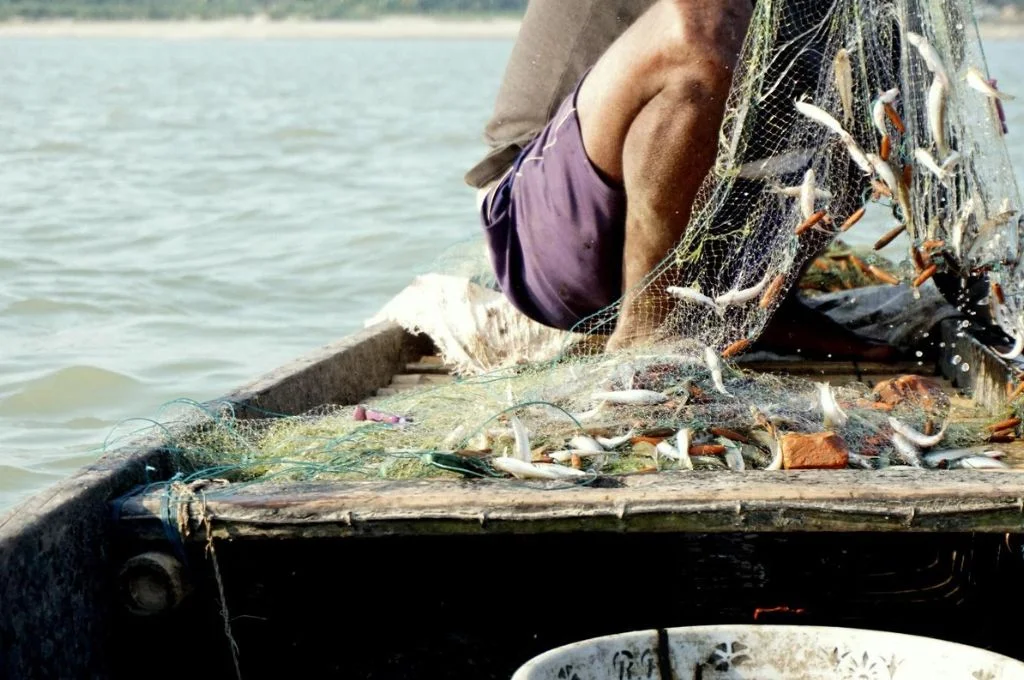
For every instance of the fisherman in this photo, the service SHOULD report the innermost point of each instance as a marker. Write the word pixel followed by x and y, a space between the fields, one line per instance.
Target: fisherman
pixel 604 128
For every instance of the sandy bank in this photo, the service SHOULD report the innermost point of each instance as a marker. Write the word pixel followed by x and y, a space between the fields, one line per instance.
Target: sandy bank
pixel 1006 31
pixel 391 27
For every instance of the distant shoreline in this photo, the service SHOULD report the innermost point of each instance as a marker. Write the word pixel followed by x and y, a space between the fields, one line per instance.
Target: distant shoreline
pixel 259 27
pixel 1005 31
pixel 386 27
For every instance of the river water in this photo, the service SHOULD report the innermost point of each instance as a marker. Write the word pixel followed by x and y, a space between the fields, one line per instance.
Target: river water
pixel 178 217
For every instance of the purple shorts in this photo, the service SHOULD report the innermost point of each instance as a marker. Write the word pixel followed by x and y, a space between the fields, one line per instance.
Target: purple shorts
pixel 555 228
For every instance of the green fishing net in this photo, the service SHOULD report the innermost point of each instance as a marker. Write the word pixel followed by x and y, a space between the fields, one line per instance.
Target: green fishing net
pixel 843 114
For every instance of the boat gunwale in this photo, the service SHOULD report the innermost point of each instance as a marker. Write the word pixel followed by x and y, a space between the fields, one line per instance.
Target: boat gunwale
pixel 704 502
pixel 897 500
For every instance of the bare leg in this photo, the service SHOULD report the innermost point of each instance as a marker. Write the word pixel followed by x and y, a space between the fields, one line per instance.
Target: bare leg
pixel 650 112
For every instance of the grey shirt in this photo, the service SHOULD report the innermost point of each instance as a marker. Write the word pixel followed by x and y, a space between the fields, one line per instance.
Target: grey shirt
pixel 559 40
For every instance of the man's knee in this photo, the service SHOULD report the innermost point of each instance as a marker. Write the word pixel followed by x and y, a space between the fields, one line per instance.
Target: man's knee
pixel 701 41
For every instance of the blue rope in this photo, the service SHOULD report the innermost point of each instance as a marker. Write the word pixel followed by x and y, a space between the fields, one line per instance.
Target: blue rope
pixel 174 536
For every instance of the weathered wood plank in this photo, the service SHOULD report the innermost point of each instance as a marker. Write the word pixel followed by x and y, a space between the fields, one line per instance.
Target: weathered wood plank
pixel 340 373
pixel 848 500
pixel 427 364
pixel 416 379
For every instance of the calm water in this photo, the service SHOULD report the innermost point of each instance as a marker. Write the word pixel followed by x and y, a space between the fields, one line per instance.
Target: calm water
pixel 178 217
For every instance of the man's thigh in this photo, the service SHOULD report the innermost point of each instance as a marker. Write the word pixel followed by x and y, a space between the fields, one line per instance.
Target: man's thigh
pixel 555 227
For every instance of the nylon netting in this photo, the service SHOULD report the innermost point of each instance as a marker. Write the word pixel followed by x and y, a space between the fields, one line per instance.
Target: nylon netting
pixel 742 236
pixel 837 106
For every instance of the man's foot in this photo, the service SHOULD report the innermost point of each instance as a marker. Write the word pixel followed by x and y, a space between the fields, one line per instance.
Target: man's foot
pixel 641 317
pixel 798 329
pixel 629 336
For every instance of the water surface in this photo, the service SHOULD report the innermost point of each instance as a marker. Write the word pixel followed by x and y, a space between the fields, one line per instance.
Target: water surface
pixel 179 217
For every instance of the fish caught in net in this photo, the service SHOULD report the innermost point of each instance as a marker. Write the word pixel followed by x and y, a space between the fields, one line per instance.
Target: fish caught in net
pixel 632 412
pixel 843 113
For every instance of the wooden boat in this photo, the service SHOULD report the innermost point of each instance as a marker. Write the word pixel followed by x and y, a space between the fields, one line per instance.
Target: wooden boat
pixel 443 579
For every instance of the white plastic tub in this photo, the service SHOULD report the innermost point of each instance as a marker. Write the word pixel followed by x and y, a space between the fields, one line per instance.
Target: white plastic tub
pixel 754 652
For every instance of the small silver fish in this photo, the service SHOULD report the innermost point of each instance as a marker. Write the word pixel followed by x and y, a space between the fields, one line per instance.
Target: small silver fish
pixel 566 456
pixel 878 117
pixel 858 461
pixel 734 459
pixel 925 158
pixel 738 297
pixel 936 112
pixel 834 415
pixel 715 366
pixel 524 470
pixel 915 437
pixel 906 451
pixel 980 463
pixel 794 192
pixel 820 116
pixel 936 458
pixel 844 83
pixel 683 438
pixel 857 154
pixel 692 295
pixel 667 450
pixel 807 194
pixel 889 96
pixel 977 80
pixel 884 172
pixel 932 60
pixel 631 397
pixel 614 442
pixel 522 438
pixel 582 442
pixel 559 471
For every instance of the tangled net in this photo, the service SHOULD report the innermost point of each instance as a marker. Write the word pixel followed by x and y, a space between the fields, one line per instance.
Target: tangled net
pixel 844 113
pixel 570 425
pixel 839 106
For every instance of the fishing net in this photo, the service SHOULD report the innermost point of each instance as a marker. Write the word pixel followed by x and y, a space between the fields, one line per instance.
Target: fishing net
pixel 575 429
pixel 843 114
pixel 938 174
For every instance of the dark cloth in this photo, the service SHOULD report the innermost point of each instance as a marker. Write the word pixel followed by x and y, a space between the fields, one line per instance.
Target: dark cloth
pixel 559 40
pixel 894 315
pixel 555 228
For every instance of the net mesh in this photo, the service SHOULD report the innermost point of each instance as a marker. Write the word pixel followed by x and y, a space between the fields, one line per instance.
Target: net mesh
pixel 860 63
pixel 837 106
pixel 463 428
